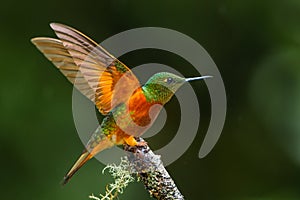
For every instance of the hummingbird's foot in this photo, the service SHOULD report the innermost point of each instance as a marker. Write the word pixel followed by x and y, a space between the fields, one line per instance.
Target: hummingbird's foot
pixel 131 141
pixel 142 144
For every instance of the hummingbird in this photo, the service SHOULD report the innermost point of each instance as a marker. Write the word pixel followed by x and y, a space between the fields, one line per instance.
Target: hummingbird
pixel 128 107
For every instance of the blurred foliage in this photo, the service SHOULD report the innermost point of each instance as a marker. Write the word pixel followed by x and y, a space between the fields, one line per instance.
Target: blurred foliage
pixel 254 43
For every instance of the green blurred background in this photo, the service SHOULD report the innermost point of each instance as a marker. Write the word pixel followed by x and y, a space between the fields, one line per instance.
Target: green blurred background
pixel 254 43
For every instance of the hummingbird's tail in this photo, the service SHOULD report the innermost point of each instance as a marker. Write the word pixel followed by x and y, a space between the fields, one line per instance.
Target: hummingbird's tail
pixel 84 157
pixel 93 148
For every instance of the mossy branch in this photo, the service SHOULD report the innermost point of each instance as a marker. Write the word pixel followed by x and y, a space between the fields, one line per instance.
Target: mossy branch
pixel 152 172
pixel 141 161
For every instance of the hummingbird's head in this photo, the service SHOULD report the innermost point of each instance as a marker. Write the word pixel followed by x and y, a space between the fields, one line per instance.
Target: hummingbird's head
pixel 163 85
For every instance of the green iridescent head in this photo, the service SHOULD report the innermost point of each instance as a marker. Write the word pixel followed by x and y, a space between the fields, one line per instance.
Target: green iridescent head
pixel 162 86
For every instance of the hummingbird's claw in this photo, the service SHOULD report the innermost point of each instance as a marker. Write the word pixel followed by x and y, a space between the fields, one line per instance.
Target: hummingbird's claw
pixel 142 144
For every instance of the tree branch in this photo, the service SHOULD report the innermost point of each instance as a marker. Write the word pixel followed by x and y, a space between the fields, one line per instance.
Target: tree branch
pixel 152 172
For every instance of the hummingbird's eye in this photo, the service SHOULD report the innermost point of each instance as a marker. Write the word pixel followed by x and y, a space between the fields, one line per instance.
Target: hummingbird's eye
pixel 169 80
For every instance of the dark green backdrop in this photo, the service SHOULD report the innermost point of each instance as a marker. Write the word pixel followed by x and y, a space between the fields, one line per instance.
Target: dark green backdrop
pixel 254 43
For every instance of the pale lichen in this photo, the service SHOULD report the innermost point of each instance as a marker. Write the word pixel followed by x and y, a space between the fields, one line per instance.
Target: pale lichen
pixel 122 175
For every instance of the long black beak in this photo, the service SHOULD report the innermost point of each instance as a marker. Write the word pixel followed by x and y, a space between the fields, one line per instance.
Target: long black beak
pixel 197 78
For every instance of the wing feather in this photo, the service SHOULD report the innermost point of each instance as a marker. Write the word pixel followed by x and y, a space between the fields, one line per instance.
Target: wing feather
pixel 101 77
pixel 54 51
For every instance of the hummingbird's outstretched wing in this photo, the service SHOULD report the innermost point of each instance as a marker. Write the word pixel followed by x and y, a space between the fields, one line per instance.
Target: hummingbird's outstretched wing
pixel 54 50
pixel 108 82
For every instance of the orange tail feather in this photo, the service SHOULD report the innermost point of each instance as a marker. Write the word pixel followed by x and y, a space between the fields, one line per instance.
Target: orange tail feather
pixel 84 157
